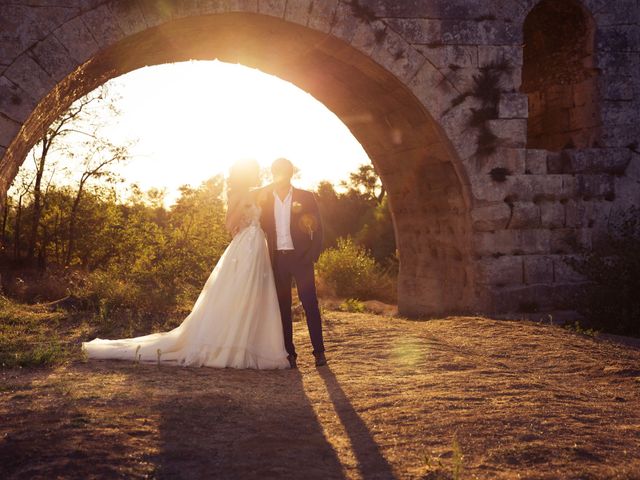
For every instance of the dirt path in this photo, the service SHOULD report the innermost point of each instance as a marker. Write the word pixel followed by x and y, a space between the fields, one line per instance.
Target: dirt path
pixel 522 400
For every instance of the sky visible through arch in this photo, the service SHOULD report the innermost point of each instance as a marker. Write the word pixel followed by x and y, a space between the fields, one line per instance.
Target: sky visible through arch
pixel 193 119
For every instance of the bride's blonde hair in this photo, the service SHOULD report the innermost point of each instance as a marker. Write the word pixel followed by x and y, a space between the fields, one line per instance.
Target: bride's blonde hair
pixel 243 175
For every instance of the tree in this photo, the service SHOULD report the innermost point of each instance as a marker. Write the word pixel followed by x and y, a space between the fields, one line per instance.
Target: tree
pixel 360 212
pixel 61 127
pixel 366 181
pixel 74 135
pixel 22 186
pixel 96 165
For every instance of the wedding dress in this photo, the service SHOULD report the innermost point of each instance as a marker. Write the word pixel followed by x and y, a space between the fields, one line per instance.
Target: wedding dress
pixel 235 321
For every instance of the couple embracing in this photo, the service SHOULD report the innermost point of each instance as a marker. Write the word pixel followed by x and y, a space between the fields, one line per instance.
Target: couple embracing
pixel 242 317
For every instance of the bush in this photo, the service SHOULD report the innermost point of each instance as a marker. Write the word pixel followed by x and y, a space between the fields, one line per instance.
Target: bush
pixel 349 271
pixel 612 268
pixel 28 336
pixel 124 308
pixel 352 305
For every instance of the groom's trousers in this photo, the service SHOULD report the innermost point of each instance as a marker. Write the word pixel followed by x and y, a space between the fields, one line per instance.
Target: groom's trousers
pixel 287 266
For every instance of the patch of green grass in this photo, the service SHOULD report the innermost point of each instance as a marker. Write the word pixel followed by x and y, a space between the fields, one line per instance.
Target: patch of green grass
pixel 578 328
pixel 29 335
pixel 352 305
pixel 451 470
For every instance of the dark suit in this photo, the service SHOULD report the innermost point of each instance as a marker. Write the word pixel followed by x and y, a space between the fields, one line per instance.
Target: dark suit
pixel 306 234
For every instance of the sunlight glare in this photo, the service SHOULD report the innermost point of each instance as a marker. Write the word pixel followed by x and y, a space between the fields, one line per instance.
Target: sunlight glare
pixel 193 119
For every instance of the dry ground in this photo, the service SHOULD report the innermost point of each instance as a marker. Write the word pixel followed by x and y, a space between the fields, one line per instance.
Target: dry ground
pixel 521 400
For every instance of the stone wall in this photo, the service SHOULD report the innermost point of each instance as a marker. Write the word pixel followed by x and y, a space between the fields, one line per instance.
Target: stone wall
pixel 490 192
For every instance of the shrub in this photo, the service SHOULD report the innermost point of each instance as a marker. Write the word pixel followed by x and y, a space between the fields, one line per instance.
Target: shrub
pixel 27 336
pixel 349 271
pixel 612 268
pixel 352 305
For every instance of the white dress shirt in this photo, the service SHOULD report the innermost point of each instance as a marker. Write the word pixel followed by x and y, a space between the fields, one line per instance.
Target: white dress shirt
pixel 282 213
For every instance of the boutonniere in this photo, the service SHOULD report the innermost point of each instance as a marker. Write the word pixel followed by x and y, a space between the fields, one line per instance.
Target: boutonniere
pixel 296 207
pixel 308 223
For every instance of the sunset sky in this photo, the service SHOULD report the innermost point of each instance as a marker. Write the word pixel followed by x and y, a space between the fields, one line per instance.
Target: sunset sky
pixel 193 119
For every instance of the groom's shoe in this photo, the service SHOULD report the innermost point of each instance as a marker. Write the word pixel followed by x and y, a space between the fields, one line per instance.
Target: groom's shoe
pixel 321 360
pixel 292 361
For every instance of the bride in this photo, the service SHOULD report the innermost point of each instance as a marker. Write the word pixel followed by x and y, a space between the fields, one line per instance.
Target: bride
pixel 235 322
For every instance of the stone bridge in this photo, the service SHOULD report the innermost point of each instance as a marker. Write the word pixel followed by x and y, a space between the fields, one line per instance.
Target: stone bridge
pixel 505 131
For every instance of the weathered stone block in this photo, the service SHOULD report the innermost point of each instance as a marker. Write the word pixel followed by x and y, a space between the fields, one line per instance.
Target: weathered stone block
pixel 53 58
pixel 619 135
pixel 615 13
pixel 242 5
pixel 488 32
pixel 325 14
pixel 397 56
pixel 567 240
pixel 518 242
pixel 513 105
pixel 513 159
pixel 536 162
pixel 488 54
pixel 364 37
pixel 30 76
pixel 617 112
pixel 524 215
pixel 216 6
pixel 14 102
pixel 427 79
pixel 617 87
pixel 537 269
pixel 505 270
pixel 511 132
pixel 618 38
pixel 575 214
pixel 556 163
pixel 129 16
pixel 539 187
pixel 103 26
pixel 341 26
pixel 417 30
pixel 298 12
pixel 8 130
pixel 552 214
pixel 491 217
pixel 633 169
pixel 627 192
pixel 447 56
pixel 563 272
pixel 157 13
pixel 617 63
pixel 596 160
pixel 595 186
pixel 77 39
pixel 22 25
pixel 486 190
pixel 536 298
pixel 272 7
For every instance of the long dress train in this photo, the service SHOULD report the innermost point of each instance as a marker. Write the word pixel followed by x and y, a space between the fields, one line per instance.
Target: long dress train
pixel 235 322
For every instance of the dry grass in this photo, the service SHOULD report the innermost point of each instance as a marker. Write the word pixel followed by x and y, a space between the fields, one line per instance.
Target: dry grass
pixel 521 400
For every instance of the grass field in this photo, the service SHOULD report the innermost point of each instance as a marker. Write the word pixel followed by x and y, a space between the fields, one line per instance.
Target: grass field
pixel 459 397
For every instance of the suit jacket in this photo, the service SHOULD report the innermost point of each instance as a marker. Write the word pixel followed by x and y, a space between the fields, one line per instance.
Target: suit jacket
pixel 305 225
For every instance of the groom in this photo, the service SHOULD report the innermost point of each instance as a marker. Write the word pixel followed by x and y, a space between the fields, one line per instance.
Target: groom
pixel 291 221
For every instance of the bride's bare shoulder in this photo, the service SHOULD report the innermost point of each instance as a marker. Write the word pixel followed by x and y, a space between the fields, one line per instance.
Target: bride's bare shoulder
pixel 259 194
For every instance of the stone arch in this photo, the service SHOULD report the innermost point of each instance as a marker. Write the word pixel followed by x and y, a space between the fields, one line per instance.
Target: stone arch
pixel 559 76
pixel 375 82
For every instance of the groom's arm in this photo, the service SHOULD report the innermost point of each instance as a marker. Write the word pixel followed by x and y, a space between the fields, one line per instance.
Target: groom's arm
pixel 318 234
